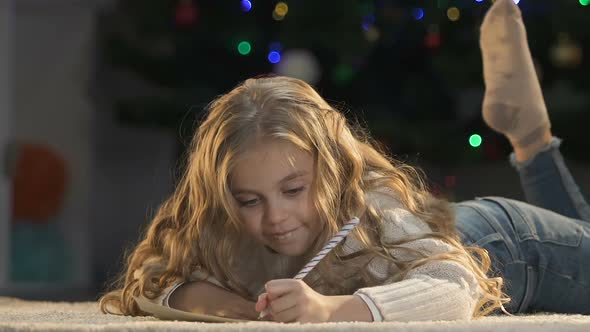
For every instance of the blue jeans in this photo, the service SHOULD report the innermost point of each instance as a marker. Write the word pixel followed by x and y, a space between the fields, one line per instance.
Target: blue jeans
pixel 540 248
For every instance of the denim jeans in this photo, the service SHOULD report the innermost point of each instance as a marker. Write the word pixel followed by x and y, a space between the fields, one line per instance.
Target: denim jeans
pixel 540 248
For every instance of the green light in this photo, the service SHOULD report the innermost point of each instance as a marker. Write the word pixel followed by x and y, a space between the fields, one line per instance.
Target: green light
pixel 343 73
pixel 244 48
pixel 584 2
pixel 475 140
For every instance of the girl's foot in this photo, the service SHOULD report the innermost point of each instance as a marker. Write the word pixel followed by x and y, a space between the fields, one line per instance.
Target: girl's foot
pixel 513 104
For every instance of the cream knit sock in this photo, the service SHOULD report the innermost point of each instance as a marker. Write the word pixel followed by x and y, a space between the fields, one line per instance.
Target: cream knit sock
pixel 513 104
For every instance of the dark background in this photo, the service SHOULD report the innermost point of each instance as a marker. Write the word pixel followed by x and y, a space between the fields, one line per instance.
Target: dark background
pixel 106 94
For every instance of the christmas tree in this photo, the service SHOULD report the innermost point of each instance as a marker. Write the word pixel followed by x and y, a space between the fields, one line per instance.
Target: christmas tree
pixel 410 69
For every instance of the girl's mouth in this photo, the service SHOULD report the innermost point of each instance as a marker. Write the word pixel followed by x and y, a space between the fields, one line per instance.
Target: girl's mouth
pixel 284 236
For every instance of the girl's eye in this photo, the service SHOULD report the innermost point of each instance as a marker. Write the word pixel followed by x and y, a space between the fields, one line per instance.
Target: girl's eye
pixel 294 191
pixel 251 202
pixel 290 192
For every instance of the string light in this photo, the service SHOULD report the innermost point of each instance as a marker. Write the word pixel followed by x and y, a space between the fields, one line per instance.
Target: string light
pixel 368 22
pixel 475 140
pixel 584 2
pixel 274 57
pixel 450 181
pixel 246 5
pixel 186 13
pixel 453 14
pixel 280 11
pixel 372 34
pixel 418 13
pixel 281 8
pixel 343 73
pixel 244 48
pixel 432 40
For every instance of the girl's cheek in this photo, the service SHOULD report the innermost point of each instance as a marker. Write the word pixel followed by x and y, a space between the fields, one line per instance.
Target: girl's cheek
pixel 251 222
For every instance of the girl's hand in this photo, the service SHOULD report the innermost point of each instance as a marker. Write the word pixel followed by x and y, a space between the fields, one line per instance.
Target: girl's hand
pixel 290 300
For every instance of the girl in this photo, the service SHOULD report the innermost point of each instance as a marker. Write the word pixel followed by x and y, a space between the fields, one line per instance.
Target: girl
pixel 274 172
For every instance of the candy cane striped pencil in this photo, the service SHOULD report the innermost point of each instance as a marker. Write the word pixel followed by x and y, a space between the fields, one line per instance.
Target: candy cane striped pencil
pixel 344 231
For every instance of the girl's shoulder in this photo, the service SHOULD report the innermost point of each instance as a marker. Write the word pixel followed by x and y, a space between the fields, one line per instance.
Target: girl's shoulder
pixel 395 220
pixel 378 195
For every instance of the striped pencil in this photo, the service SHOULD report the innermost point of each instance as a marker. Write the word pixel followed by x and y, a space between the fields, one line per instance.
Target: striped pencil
pixel 344 231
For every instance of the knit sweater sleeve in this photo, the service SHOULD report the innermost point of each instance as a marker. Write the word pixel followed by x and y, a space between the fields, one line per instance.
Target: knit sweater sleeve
pixel 438 290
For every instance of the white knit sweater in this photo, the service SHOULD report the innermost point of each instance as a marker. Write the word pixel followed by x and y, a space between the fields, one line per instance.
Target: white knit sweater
pixel 438 290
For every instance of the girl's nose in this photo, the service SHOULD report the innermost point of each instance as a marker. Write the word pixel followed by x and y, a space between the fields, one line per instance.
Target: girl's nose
pixel 275 213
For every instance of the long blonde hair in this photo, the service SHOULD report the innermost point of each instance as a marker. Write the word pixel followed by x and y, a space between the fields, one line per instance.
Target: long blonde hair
pixel 198 227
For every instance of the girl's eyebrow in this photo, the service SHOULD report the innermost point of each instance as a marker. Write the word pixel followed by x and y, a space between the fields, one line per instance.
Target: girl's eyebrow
pixel 293 175
pixel 287 178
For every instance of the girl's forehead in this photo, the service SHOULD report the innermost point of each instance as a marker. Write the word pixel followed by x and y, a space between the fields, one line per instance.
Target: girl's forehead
pixel 272 160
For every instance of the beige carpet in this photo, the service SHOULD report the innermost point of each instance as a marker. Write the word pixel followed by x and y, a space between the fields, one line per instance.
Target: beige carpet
pixel 19 315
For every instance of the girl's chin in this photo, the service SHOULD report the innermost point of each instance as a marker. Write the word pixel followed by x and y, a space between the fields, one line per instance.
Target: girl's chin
pixel 291 251
pixel 282 250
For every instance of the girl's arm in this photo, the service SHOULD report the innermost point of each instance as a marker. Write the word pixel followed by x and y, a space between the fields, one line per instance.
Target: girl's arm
pixel 438 290
pixel 350 308
pixel 203 294
pixel 205 298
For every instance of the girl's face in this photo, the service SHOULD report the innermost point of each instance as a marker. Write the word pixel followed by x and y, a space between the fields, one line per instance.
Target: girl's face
pixel 274 198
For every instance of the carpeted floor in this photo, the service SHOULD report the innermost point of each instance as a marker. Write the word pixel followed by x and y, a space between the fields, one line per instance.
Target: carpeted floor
pixel 19 315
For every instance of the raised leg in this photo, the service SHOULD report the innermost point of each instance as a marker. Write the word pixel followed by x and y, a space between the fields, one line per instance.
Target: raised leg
pixel 514 106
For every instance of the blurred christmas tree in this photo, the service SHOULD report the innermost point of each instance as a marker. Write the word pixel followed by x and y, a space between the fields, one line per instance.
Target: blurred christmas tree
pixel 410 69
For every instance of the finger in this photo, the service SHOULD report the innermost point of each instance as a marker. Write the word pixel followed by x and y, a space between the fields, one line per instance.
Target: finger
pixel 265 315
pixel 279 287
pixel 262 302
pixel 287 316
pixel 283 303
